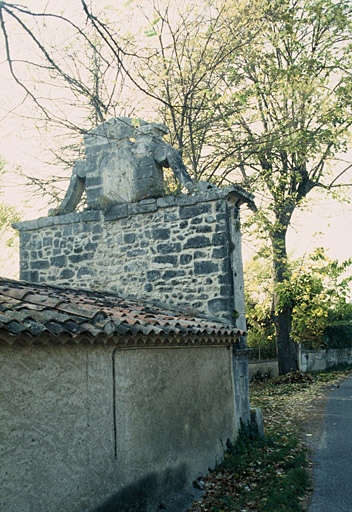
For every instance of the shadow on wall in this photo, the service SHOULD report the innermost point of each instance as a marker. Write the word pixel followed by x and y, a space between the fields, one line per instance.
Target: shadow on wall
pixel 146 494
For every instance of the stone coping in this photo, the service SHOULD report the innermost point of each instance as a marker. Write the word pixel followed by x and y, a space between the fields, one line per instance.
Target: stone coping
pixel 233 193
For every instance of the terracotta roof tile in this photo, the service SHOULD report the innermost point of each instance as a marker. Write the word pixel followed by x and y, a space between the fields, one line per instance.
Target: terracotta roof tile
pixel 33 309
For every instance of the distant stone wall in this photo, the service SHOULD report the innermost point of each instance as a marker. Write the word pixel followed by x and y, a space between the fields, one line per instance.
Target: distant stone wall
pixel 182 251
pixel 315 360
pixel 262 368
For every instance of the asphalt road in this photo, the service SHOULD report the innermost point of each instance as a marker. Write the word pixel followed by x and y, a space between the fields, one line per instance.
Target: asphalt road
pixel 333 458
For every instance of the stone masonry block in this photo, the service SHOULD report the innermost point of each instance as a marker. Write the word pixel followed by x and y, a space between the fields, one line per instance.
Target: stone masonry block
pixel 171 216
pixel 58 261
pixel 66 273
pixel 91 216
pixel 85 271
pixel 117 212
pixel 90 246
pixel 30 276
pixel 35 244
pixel 226 290
pixel 204 229
pixel 129 238
pixel 205 267
pixel 199 254
pixel 152 275
pixel 170 248
pixel 163 202
pixel 150 200
pixel 185 258
pixel 77 258
pixel 220 305
pixel 221 218
pixel 135 208
pixel 161 234
pixel 166 259
pixel 136 253
pixel 193 211
pixel 220 206
pixel 186 200
pixel 24 237
pixel 197 242
pixel 220 253
pixel 169 274
pixel 219 239
pixel 40 264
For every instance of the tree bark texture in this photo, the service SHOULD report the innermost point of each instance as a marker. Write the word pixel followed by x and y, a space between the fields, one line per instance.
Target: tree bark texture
pixel 282 314
pixel 287 355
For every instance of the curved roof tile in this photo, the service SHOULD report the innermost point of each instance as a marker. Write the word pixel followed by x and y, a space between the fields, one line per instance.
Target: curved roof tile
pixel 32 309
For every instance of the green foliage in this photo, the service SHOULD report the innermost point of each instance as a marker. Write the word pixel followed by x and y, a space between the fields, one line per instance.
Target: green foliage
pixel 317 291
pixel 338 335
pixel 258 299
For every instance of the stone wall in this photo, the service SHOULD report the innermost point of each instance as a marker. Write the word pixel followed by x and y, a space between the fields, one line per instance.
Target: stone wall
pixel 315 360
pixel 182 252
pixel 241 386
pixel 95 427
pixel 262 368
pixel 308 361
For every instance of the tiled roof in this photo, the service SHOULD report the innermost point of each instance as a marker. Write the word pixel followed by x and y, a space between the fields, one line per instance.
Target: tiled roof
pixel 28 311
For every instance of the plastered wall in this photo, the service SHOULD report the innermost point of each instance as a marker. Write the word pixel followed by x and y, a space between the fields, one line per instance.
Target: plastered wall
pixel 88 427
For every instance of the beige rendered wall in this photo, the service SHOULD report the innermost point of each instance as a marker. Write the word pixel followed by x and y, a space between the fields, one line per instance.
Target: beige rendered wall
pixel 94 427
pixel 315 360
pixel 263 368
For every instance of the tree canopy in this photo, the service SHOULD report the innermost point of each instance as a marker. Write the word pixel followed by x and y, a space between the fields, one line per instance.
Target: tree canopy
pixel 294 119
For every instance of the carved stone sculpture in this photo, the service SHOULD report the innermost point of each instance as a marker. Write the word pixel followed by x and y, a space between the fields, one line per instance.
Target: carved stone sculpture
pixel 123 163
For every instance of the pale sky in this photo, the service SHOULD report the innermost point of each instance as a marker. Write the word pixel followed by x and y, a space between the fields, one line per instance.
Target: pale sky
pixel 331 219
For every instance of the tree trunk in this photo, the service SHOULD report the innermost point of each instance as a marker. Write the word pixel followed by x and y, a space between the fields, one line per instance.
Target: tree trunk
pixel 282 312
pixel 286 350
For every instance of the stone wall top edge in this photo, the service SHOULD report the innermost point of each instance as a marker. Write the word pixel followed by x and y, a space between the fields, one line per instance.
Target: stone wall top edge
pixel 70 218
pixel 233 193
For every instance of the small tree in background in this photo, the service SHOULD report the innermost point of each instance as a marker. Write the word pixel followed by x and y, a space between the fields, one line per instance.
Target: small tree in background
pixel 317 291
pixel 294 89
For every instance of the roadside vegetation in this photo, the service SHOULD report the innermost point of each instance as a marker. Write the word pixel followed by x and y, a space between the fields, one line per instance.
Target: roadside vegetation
pixel 318 291
pixel 272 474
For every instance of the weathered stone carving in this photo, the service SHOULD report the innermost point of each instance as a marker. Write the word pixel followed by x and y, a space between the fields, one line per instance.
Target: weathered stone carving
pixel 123 163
